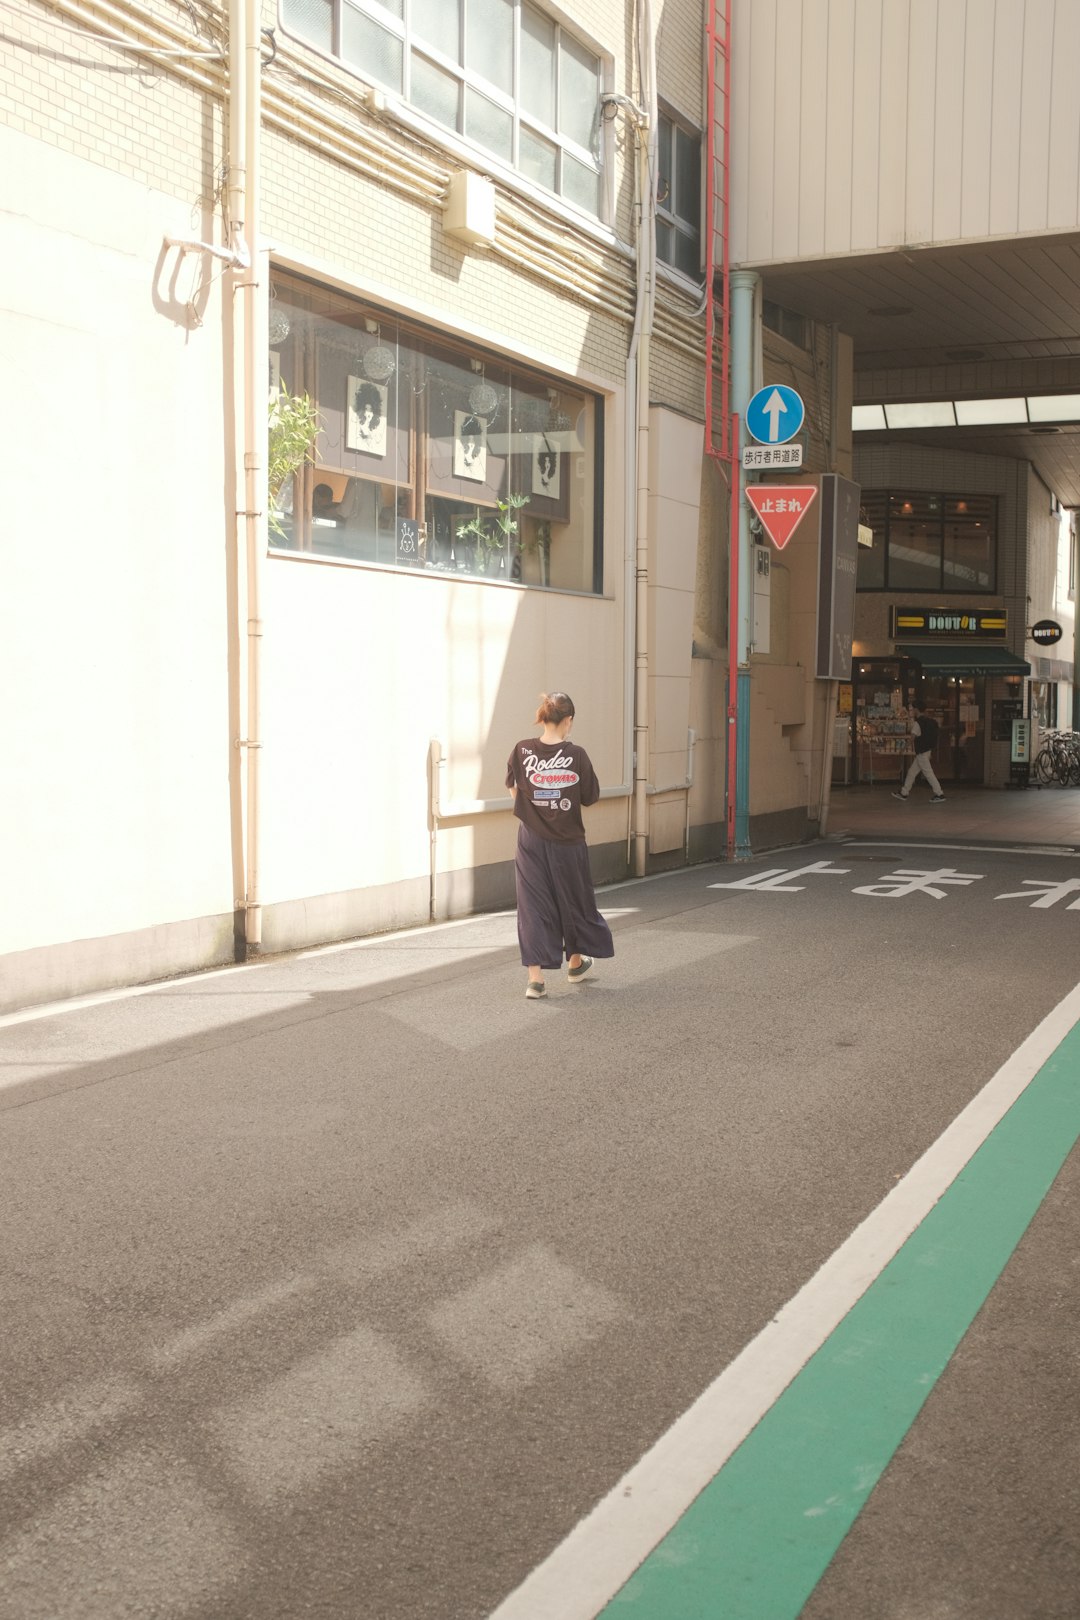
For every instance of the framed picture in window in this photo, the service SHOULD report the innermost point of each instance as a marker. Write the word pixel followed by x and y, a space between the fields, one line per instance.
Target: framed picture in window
pixel 470 447
pixel 546 472
pixel 546 468
pixel 365 417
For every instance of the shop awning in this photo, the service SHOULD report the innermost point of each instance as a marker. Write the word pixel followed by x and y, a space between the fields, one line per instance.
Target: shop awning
pixel 960 658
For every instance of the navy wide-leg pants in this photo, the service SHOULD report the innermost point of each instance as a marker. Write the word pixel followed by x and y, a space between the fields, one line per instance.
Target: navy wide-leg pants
pixel 556 905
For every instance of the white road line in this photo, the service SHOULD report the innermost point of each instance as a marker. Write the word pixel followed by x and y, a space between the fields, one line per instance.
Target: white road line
pixel 600 1554
pixel 856 842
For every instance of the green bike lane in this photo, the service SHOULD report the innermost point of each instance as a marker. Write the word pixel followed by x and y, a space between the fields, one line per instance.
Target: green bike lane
pixel 889 1475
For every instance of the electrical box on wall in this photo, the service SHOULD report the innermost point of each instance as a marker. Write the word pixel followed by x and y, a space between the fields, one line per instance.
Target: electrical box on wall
pixel 762 588
pixel 469 208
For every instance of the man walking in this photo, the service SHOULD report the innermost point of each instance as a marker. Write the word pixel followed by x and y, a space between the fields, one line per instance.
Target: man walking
pixel 925 731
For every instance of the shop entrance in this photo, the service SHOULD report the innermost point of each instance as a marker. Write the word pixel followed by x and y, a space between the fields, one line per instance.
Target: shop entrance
pixel 958 704
pixel 883 689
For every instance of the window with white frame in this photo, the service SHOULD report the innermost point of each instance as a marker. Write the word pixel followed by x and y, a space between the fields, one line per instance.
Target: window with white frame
pixel 678 197
pixel 498 72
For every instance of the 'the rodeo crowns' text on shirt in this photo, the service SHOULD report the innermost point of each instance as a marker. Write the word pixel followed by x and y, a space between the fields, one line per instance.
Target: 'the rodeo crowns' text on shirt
pixel 553 781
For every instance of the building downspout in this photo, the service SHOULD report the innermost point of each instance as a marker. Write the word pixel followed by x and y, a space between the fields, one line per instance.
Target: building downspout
pixel 831 687
pixel 250 371
pixel 1074 542
pixel 743 295
pixel 646 143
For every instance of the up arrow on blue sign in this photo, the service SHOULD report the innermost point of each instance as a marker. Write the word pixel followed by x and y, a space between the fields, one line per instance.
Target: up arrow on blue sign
pixel 775 414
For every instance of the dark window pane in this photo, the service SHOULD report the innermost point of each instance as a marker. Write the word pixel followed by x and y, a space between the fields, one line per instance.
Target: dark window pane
pixel 872 558
pixel 687 177
pixel 786 322
pixel 914 545
pixel 915 507
pixel 970 543
pixel 872 565
pixel 687 254
pixel 664 157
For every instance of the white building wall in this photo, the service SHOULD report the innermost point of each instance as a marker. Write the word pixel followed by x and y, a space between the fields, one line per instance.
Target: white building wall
pixel 864 125
pixel 114 811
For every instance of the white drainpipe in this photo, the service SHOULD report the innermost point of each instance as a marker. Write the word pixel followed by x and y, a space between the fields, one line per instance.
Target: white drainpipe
pixel 250 372
pixel 646 142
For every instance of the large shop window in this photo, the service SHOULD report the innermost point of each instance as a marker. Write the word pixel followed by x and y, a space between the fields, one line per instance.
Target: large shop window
pixel 498 72
pixel 431 454
pixel 929 542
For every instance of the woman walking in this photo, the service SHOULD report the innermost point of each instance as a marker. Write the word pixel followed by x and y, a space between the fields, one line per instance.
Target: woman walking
pixel 550 779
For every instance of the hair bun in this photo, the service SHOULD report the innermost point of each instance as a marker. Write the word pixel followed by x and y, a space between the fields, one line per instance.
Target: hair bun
pixel 555 707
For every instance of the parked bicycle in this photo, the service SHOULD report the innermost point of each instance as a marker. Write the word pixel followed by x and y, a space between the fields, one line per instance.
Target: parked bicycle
pixel 1058 759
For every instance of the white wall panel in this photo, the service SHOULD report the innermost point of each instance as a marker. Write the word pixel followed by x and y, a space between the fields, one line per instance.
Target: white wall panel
pixel 863 125
pixel 948 118
pixel 1005 116
pixel 839 100
pixel 1034 146
pixel 978 68
pixel 813 128
pixel 866 151
pixel 789 85
pixel 1063 191
pixel 760 124
pixel 893 94
pixel 922 145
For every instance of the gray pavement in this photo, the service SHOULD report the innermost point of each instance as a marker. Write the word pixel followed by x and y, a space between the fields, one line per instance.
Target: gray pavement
pixel 346 1284
pixel 1047 815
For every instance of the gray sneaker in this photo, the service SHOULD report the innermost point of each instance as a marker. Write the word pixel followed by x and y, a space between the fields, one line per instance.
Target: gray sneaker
pixel 535 990
pixel 937 798
pixel 902 797
pixel 575 975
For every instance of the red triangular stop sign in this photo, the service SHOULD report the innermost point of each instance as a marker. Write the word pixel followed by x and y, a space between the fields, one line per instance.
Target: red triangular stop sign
pixel 781 508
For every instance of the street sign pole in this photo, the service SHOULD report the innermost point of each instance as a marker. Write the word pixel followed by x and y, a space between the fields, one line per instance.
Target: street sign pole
pixel 743 287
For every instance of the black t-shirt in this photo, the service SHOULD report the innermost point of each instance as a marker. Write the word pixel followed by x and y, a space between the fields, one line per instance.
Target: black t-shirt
pixel 553 781
pixel 928 733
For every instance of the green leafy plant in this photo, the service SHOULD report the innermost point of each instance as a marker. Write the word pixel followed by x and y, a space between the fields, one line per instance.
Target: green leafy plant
pixel 292 430
pixel 495 531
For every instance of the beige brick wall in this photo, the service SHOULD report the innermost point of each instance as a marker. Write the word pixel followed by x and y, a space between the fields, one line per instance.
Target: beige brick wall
pixel 162 125
pixel 109 107
pixel 680 57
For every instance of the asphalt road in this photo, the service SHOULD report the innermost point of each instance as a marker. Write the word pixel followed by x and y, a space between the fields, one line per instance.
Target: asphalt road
pixel 344 1285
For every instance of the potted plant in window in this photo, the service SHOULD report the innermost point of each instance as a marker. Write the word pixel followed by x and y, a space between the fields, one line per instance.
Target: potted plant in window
pixel 494 533
pixel 540 543
pixel 292 431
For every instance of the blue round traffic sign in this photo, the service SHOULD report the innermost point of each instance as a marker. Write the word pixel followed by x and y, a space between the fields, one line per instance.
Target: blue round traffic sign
pixel 775 414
